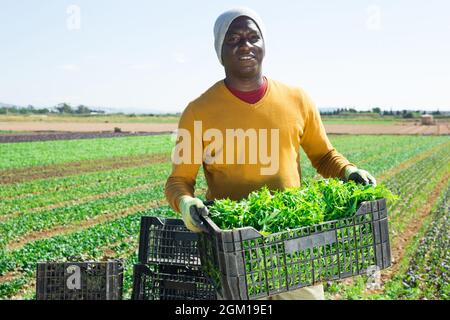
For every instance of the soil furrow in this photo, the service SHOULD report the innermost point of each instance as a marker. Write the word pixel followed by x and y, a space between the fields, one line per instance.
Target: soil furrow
pixel 62 187
pixel 411 161
pixel 74 168
pixel 84 200
pixel 395 150
pixel 401 241
pixel 52 136
pixel 81 225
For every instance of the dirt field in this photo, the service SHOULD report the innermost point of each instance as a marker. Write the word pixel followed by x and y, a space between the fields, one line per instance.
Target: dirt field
pixel 440 129
pixel 87 127
pixel 49 136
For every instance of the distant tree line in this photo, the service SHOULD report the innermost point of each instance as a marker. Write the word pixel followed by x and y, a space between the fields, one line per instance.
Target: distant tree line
pixel 62 108
pixel 377 111
pixel 65 108
pixel 132 115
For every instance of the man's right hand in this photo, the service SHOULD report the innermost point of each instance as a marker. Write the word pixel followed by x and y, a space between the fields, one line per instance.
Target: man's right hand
pixel 190 217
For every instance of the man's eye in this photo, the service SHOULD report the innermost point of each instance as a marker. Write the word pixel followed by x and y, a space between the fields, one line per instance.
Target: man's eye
pixel 233 39
pixel 254 38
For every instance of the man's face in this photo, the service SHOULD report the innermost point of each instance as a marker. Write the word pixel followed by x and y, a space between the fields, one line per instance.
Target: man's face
pixel 243 48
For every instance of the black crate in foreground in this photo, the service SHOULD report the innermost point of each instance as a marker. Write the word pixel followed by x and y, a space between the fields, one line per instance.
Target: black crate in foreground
pixel 79 280
pixel 170 282
pixel 243 264
pixel 167 241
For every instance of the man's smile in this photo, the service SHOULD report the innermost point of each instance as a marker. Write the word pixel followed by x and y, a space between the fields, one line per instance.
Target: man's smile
pixel 247 57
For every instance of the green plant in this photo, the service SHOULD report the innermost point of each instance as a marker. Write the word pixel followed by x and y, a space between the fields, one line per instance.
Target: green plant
pixel 274 211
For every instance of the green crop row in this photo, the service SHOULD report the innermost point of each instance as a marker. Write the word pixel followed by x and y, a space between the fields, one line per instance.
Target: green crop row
pixel 27 154
pixel 63 184
pixel 20 155
pixel 23 260
pixel 151 174
pixel 384 152
pixel 366 144
pixel 413 185
pixel 369 145
pixel 427 274
pixel 20 226
pixel 392 160
pixel 409 282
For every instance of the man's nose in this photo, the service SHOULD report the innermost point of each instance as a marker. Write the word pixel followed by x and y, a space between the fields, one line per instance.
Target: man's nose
pixel 245 45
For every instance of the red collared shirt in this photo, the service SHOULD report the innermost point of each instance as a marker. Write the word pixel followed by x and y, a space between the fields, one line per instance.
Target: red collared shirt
pixel 251 96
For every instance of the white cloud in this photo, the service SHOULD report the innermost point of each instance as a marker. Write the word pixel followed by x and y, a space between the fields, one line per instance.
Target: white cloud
pixel 69 67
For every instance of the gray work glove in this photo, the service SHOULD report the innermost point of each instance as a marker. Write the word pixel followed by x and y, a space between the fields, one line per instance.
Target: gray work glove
pixel 190 208
pixel 359 176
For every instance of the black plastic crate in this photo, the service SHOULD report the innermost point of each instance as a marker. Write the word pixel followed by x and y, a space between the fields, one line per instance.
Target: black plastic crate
pixel 167 241
pixel 79 280
pixel 169 263
pixel 243 264
pixel 170 282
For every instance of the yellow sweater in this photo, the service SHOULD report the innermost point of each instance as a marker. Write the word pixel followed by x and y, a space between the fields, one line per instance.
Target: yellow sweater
pixel 285 117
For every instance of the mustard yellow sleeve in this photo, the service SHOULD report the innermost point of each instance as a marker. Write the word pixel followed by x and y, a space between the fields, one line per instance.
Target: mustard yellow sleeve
pixel 185 164
pixel 323 156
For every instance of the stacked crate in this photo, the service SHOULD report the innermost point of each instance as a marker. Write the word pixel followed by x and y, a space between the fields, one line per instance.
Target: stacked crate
pixel 169 264
pixel 79 280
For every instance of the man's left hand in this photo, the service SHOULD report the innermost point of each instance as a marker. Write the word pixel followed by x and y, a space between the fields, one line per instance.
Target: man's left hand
pixel 359 176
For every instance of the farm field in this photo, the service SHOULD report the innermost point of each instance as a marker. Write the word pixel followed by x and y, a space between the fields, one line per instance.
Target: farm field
pixel 349 118
pixel 100 118
pixel 83 199
pixel 49 136
pixel 46 129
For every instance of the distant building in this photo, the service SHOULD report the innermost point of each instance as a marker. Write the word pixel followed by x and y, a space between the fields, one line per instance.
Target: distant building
pixel 426 119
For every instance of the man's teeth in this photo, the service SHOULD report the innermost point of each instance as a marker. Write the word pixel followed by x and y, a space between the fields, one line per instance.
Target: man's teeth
pixel 246 58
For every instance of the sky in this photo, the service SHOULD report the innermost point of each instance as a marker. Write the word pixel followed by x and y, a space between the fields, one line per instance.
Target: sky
pixel 147 56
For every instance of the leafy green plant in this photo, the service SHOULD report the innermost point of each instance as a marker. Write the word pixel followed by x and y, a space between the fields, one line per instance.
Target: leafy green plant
pixel 274 211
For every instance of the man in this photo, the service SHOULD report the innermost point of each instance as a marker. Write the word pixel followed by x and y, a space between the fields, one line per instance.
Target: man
pixel 275 119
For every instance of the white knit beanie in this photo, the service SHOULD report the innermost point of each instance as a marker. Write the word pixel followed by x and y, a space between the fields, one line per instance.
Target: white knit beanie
pixel 224 21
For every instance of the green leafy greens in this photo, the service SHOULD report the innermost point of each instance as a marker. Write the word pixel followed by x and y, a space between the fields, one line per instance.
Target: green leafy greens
pixel 316 202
